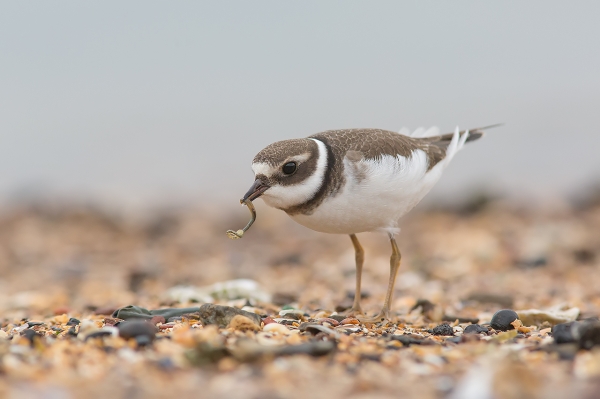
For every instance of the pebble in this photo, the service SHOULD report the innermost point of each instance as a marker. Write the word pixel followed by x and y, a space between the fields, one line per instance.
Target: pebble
pixel 337 317
pixel 143 340
pixel 333 322
pixel 157 319
pixel 242 323
pixel 30 335
pixel 268 320
pixel 589 334
pixel 134 328
pixel 349 320
pixel 443 329
pixel 292 314
pixel 222 315
pixel 314 328
pixel 110 321
pixel 105 332
pixel 73 322
pixel 475 329
pixel 407 340
pixel 502 319
pixel 166 326
pixel 563 333
pixel 275 327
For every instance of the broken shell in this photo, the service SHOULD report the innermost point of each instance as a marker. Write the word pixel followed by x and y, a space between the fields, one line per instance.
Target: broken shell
pixel 240 233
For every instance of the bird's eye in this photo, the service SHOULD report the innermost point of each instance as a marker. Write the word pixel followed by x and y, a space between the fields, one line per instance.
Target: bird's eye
pixel 289 168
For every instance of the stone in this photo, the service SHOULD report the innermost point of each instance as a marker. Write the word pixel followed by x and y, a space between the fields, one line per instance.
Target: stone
pixel 332 322
pixel 137 312
pixel 294 314
pixel 277 328
pixel 30 335
pixel 588 333
pixel 243 323
pixel 134 328
pixel 337 317
pixel 73 322
pixel 502 319
pixel 443 329
pixel 475 329
pixel 158 319
pixel 221 316
pixel 315 328
pixel 143 340
pixel 563 333
pixel 407 340
pixel 537 317
pixel 105 332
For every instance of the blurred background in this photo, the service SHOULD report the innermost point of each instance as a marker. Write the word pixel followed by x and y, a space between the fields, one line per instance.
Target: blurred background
pixel 156 110
pixel 137 104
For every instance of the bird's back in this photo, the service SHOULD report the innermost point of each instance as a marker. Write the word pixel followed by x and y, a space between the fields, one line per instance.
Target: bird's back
pixel 375 177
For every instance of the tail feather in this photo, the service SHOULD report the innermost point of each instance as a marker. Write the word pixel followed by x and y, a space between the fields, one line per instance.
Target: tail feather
pixel 474 134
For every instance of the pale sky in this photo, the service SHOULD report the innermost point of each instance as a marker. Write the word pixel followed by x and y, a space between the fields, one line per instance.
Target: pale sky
pixel 141 102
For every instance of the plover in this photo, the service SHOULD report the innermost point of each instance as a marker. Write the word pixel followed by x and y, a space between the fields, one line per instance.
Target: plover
pixel 353 181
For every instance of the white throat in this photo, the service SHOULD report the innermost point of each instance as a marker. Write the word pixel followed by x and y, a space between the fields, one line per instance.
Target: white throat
pixel 284 197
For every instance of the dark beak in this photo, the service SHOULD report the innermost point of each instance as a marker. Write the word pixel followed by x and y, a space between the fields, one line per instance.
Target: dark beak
pixel 257 189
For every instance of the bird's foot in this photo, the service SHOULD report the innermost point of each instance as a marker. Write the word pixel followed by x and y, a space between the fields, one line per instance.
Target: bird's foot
pixel 381 317
pixel 354 311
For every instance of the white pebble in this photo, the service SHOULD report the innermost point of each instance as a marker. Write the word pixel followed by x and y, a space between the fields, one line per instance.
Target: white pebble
pixel 275 327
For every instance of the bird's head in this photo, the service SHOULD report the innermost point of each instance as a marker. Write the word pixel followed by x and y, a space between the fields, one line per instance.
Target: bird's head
pixel 288 173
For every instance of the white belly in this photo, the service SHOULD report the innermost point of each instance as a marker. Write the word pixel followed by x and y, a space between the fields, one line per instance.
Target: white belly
pixel 375 196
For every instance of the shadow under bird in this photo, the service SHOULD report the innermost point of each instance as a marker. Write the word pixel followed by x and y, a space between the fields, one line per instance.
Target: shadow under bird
pixel 353 181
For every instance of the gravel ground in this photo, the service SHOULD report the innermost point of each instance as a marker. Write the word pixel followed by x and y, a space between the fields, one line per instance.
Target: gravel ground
pixel 492 301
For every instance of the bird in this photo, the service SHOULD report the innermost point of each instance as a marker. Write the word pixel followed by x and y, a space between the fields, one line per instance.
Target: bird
pixel 351 181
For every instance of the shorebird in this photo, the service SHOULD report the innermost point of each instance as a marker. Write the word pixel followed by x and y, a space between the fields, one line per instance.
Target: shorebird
pixel 353 181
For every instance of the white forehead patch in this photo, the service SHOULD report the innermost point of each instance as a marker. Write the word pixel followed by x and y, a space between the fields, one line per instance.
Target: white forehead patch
pixel 284 197
pixel 262 168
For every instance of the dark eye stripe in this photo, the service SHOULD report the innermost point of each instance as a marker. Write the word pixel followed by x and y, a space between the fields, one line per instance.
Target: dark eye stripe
pixel 289 168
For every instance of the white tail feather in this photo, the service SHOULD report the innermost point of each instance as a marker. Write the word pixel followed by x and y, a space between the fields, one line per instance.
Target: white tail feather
pixel 456 144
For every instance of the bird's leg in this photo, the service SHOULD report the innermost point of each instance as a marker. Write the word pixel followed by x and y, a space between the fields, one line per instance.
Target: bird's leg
pixel 360 258
pixel 394 266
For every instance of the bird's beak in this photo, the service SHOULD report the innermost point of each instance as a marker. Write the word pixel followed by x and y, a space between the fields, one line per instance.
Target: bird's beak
pixel 257 189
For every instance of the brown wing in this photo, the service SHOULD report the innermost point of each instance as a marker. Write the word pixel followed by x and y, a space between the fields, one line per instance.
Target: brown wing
pixel 374 143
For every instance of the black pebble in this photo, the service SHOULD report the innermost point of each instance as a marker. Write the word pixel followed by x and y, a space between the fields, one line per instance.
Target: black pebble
pixel 135 328
pixel 407 340
pixel 502 319
pixel 98 334
pixel 589 334
pixel 30 335
pixel 443 329
pixel 143 340
pixel 563 333
pixel 73 322
pixel 475 329
pixel 72 331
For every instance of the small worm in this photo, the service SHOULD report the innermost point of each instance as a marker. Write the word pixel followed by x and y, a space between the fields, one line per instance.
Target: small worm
pixel 240 233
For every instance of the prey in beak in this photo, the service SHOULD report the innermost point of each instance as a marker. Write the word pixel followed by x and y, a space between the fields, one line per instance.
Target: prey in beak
pixel 256 190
